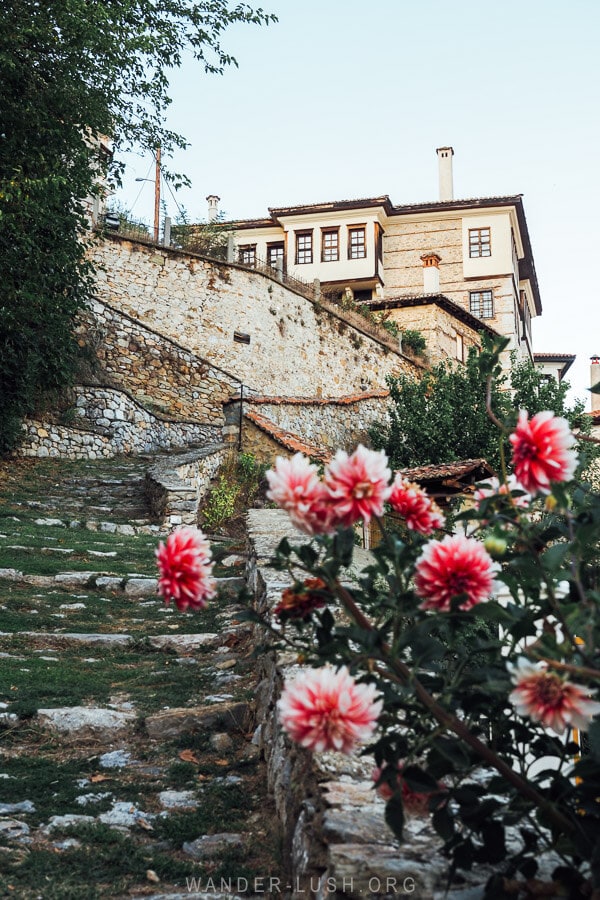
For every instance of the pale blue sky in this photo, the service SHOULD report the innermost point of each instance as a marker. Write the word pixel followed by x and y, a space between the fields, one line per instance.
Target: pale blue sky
pixel 344 99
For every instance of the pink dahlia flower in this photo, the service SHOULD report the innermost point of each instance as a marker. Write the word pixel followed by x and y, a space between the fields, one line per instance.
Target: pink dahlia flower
pixel 413 802
pixel 358 485
pixel 456 565
pixel 421 513
pixel 492 487
pixel 325 709
pixel 185 569
pixel 294 485
pixel 547 698
pixel 541 451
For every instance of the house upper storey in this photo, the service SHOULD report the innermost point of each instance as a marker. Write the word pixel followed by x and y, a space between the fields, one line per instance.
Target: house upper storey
pixel 476 252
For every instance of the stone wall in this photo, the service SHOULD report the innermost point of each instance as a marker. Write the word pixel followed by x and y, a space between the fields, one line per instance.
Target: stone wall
pixel 405 240
pixel 337 423
pixel 246 322
pixel 175 486
pixel 439 328
pixel 43 439
pixel 109 422
pixel 157 371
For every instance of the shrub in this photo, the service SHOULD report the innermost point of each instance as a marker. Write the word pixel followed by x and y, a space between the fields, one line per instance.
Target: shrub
pixel 220 504
pixel 414 340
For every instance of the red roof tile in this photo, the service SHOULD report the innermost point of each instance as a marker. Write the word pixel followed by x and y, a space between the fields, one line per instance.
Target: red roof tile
pixel 287 440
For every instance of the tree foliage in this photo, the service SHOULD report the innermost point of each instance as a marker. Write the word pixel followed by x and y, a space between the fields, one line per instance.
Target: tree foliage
pixel 443 417
pixel 71 71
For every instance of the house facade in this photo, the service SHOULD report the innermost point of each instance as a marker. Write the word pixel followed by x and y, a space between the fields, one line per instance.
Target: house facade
pixel 475 253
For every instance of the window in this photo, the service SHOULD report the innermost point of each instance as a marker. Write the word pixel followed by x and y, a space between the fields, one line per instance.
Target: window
pixel 275 254
pixel 479 242
pixel 304 251
pixel 481 304
pixel 460 348
pixel 356 243
pixel 330 245
pixel 247 255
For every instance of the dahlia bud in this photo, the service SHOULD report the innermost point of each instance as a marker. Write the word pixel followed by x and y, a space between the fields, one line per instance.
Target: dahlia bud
pixel 495 546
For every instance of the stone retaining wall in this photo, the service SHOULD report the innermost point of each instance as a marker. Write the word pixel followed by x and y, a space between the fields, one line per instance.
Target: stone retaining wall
pixel 156 370
pixel 110 422
pixel 43 439
pixel 176 485
pixel 246 322
pixel 333 424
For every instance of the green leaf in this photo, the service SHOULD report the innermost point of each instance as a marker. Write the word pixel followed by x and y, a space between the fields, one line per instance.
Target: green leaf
pixel 418 780
pixel 394 816
pixel 443 822
pixel 554 557
pixel 343 546
pixel 593 740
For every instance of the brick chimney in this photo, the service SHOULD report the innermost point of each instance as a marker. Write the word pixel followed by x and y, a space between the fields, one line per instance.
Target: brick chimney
pixel 594 379
pixel 445 155
pixel 431 272
pixel 213 207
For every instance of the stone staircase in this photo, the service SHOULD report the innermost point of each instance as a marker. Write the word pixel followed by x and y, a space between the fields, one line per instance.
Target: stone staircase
pixel 128 766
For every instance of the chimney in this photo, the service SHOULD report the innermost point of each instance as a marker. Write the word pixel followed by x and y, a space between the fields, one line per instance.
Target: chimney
pixel 594 380
pixel 445 155
pixel 431 273
pixel 213 207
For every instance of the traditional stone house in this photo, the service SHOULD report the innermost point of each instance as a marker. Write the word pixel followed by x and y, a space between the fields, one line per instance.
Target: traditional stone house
pixel 476 254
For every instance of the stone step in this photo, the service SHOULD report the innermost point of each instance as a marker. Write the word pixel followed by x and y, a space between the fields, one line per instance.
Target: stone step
pixel 131 585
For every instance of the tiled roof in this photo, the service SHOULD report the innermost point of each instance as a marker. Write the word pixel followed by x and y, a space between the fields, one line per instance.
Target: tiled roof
pixel 314 401
pixel 332 205
pixel 567 360
pixel 443 471
pixel 288 440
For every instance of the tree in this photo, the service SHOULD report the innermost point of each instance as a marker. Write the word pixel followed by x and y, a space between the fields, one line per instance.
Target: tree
pixel 72 71
pixel 443 417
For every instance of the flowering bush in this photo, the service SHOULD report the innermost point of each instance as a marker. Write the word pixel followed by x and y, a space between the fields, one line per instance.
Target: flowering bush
pixel 480 642
pixel 465 657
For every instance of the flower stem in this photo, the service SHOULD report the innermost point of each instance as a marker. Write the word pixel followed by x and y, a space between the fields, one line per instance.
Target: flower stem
pixel 449 721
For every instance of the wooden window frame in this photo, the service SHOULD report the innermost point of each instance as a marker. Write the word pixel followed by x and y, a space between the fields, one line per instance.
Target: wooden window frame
pixel 479 248
pixel 276 245
pixel 305 233
pixel 247 248
pixel 330 232
pixel 351 246
pixel 482 302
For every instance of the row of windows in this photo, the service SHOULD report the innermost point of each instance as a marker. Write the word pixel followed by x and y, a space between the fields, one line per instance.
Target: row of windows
pixel 247 255
pixel 480 245
pixel 330 245
pixel 330 248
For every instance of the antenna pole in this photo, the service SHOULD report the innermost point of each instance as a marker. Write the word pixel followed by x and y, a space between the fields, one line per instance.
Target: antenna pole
pixel 157 196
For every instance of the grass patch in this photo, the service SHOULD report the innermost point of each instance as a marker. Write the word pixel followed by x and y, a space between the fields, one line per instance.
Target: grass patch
pixel 41 545
pixel 107 865
pixel 222 809
pixel 30 608
pixel 149 678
